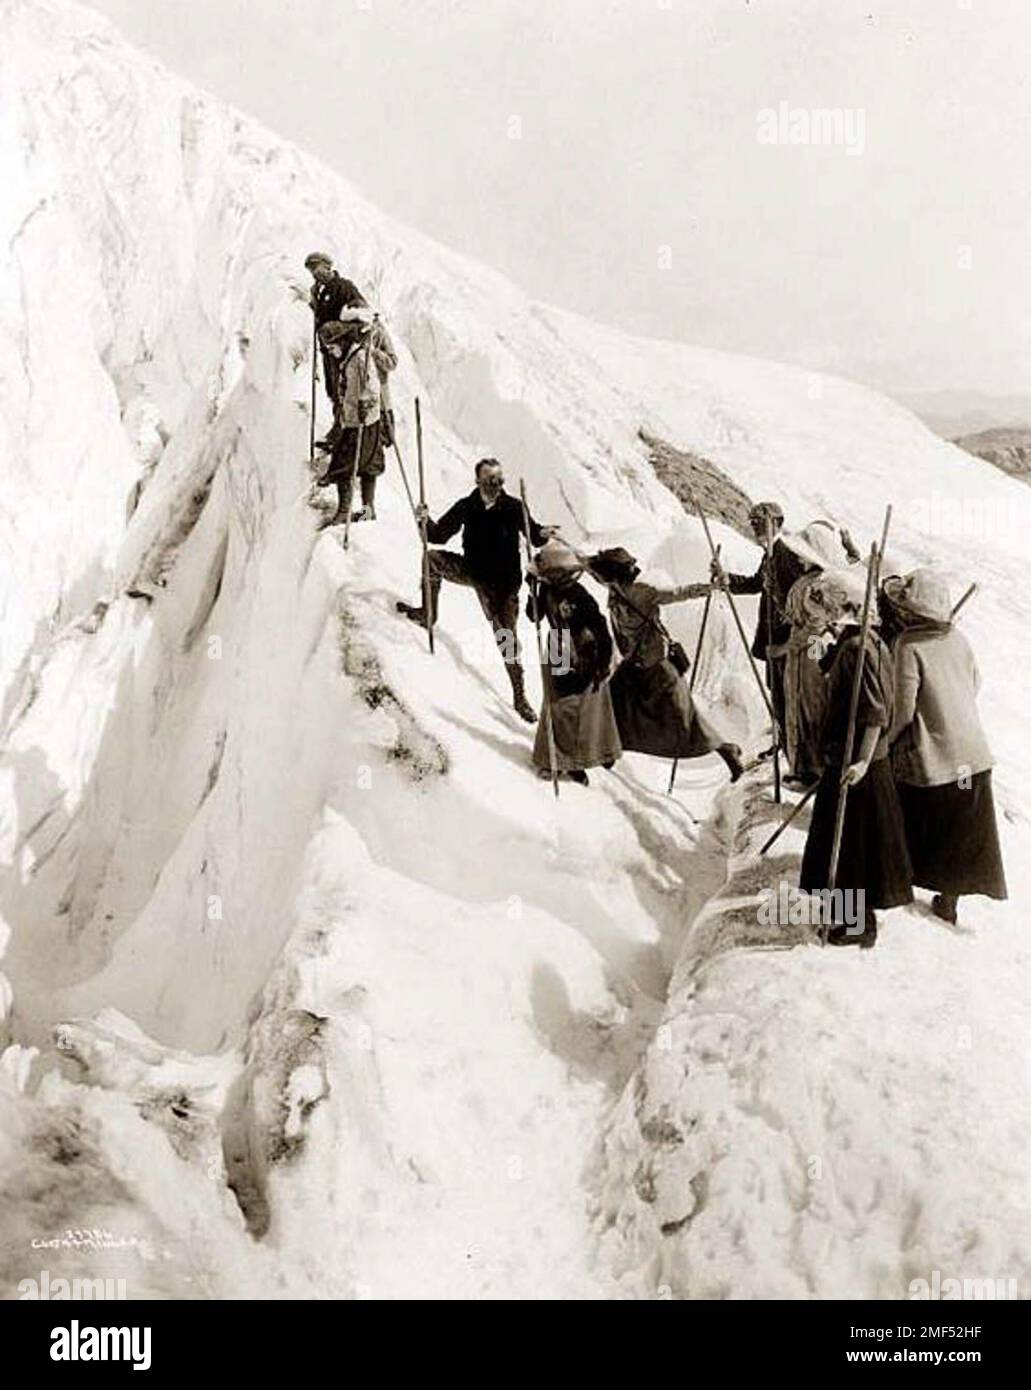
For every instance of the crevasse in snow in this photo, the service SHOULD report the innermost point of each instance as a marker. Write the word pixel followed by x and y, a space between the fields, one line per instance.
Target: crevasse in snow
pixel 309 987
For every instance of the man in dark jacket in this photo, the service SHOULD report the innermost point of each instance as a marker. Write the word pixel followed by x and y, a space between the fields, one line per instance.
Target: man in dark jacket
pixel 766 519
pixel 778 570
pixel 491 523
pixel 331 294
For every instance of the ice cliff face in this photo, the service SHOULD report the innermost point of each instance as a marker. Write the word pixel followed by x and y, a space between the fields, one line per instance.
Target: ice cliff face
pixel 307 985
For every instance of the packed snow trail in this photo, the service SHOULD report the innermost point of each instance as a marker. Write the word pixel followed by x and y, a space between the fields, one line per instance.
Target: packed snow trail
pixel 330 997
pixel 812 1120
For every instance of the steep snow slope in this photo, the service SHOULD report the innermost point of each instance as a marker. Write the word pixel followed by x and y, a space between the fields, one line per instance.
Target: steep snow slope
pixel 310 987
pixel 250 814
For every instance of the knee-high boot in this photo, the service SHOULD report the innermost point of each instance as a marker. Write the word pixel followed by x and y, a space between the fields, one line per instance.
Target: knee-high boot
pixel 520 703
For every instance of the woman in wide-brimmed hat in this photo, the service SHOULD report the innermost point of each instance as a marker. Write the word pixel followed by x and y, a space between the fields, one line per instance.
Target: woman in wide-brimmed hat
pixel 786 557
pixel 579 661
pixel 873 860
pixel 655 711
pixel 943 764
pixel 805 686
pixel 817 547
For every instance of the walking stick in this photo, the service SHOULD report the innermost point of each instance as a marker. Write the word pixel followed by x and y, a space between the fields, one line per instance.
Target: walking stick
pixel 733 607
pixel 768 595
pixel 358 443
pixel 549 728
pixel 701 634
pixel 806 795
pixel 404 479
pixel 884 541
pixel 314 379
pixel 428 600
pixel 694 670
pixel 969 594
pixel 853 710
pixel 422 535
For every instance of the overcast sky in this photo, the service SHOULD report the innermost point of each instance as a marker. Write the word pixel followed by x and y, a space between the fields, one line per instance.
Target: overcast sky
pixel 606 154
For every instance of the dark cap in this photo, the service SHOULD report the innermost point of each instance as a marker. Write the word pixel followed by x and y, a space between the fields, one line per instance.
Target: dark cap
pixel 614 566
pixel 766 511
pixel 336 332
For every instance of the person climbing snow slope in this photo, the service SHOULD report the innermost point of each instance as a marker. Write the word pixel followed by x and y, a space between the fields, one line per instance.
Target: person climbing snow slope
pixel 655 711
pixel 580 658
pixel 491 523
pixel 331 294
pixel 364 355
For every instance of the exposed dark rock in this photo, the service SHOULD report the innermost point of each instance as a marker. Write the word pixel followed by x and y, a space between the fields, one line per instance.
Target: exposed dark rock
pixel 684 473
pixel 1007 449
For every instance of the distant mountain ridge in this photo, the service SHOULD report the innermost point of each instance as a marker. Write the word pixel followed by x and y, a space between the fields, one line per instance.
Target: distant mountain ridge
pixel 1006 448
pixel 954 413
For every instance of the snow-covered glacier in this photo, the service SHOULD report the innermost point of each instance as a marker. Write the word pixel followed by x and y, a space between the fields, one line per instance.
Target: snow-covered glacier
pixel 309 988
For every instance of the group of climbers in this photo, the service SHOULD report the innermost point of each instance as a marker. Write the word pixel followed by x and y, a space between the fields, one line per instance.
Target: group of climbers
pixel 919 810
pixel 643 707
pixel 911 753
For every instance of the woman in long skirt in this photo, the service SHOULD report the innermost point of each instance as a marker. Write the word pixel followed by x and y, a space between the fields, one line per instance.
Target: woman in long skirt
pixel 655 711
pixel 943 764
pixel 873 864
pixel 579 660
pixel 805 686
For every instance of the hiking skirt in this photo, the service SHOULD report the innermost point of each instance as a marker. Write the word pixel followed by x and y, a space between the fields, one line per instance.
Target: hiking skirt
pixel 873 855
pixel 656 713
pixel 585 732
pixel 805 706
pixel 953 837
